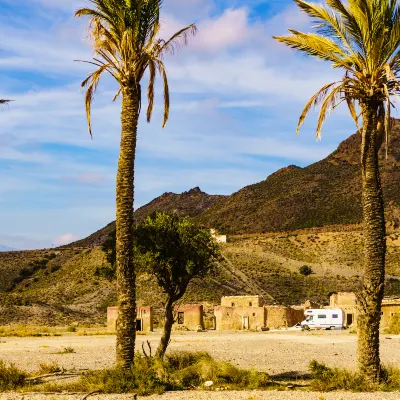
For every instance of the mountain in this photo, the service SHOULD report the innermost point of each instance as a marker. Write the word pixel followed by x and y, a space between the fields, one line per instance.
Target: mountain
pixel 6 248
pixel 322 194
pixel 191 203
pixel 310 215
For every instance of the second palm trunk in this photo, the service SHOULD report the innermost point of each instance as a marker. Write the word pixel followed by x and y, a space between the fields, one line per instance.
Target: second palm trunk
pixel 370 298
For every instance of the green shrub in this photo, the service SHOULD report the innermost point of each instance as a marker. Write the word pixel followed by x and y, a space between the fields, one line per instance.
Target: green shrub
pixel 11 378
pixel 67 350
pixel 305 270
pixel 71 328
pixel 201 368
pixel 151 375
pixel 326 379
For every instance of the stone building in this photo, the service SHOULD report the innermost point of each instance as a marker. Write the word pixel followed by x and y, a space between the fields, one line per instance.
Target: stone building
pixel 219 238
pixel 189 317
pixel 144 319
pixel 251 313
pixel 347 302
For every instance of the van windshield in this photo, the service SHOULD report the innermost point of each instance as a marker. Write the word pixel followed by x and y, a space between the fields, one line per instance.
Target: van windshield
pixel 309 318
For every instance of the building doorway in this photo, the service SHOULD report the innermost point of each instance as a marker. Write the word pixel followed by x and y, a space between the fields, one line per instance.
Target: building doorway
pixel 139 327
pixel 245 323
pixel 181 318
pixel 349 319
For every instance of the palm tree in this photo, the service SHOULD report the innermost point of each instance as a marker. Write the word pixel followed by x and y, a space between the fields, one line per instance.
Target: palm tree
pixel 362 37
pixel 126 45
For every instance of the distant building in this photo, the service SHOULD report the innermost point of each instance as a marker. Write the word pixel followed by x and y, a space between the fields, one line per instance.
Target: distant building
pixel 189 317
pixel 347 302
pixel 251 313
pixel 144 319
pixel 219 238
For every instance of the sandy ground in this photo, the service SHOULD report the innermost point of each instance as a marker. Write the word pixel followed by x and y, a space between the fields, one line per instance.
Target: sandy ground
pixel 278 353
pixel 275 353
pixel 231 395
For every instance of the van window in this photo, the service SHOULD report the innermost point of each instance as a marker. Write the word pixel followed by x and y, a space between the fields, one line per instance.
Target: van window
pixel 335 315
pixel 322 316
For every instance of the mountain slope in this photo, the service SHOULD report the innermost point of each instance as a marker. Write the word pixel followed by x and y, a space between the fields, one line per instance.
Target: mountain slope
pixel 190 203
pixel 61 286
pixel 325 193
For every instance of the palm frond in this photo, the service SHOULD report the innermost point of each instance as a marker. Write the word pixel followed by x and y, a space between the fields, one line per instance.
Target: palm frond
pixel 124 36
pixel 316 46
pixel 91 83
pixel 178 40
pixel 314 101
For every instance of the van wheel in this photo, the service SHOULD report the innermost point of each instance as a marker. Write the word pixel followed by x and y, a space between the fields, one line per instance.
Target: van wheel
pixel 332 328
pixel 306 327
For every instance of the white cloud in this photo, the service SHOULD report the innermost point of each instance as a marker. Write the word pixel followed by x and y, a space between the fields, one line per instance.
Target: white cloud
pixel 64 239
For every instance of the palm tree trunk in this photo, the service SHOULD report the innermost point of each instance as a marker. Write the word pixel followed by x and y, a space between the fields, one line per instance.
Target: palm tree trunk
pixel 126 276
pixel 370 298
pixel 169 321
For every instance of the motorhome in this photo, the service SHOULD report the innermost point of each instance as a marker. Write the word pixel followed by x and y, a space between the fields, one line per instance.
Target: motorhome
pixel 323 319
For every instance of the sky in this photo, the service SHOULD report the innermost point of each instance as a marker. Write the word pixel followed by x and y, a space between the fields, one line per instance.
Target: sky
pixel 236 96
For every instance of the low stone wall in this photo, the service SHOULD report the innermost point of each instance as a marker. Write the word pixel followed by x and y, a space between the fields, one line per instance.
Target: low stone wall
pixel 283 317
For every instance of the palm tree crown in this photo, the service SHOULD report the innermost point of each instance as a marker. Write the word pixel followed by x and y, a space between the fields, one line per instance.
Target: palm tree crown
pixel 125 41
pixel 363 38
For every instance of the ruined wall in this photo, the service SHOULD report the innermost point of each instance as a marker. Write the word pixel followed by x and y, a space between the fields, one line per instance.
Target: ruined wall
pixel 281 317
pixel 239 318
pixel 389 310
pixel 190 317
pixel 144 318
pixel 337 300
pixel 347 302
pixel 242 301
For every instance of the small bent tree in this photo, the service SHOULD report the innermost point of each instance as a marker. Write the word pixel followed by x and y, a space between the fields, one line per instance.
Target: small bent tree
pixel 175 251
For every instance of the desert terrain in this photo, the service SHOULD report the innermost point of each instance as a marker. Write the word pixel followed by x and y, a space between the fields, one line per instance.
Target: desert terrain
pixel 280 354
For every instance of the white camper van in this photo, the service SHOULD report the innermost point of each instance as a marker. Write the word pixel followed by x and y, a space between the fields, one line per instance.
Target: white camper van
pixel 323 319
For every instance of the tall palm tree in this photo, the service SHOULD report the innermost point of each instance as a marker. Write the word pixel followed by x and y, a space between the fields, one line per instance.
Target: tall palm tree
pixel 362 37
pixel 126 45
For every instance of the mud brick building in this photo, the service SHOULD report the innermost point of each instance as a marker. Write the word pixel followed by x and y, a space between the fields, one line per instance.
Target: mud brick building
pixel 347 302
pixel 144 319
pixel 251 313
pixel 189 317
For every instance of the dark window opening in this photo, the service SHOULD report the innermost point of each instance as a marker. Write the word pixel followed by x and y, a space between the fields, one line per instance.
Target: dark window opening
pixel 335 315
pixel 181 318
pixel 254 314
pixel 233 304
pixel 251 304
pixel 322 316
pixel 349 319
pixel 139 325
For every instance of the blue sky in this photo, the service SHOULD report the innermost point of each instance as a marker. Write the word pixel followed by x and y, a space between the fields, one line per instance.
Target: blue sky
pixel 236 98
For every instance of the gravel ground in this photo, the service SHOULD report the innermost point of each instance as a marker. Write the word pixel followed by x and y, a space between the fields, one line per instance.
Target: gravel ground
pixel 278 353
pixel 230 395
pixel 272 352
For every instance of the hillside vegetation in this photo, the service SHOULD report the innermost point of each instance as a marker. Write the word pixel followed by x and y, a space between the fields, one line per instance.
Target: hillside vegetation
pixel 322 194
pixel 63 285
pixel 65 288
